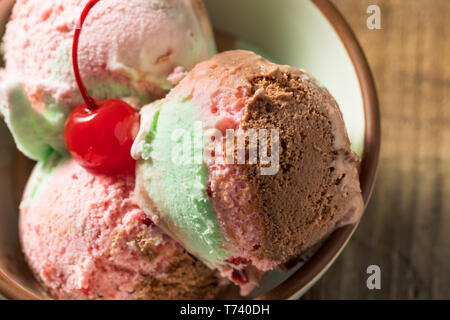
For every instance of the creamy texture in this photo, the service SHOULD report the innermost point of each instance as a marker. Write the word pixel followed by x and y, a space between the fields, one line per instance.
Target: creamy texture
pixel 265 221
pixel 134 50
pixel 36 133
pixel 175 182
pixel 84 237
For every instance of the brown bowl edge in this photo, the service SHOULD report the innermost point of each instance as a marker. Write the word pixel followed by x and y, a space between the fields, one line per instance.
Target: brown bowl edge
pixel 335 243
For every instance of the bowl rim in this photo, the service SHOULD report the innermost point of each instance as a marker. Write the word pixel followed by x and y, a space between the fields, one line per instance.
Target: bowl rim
pixel 313 269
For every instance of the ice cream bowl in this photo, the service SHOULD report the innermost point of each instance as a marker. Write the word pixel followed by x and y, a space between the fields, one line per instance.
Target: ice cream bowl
pixel 307 34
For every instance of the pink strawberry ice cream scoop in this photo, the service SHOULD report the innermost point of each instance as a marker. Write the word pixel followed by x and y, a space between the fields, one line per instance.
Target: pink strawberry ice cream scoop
pixel 134 50
pixel 85 238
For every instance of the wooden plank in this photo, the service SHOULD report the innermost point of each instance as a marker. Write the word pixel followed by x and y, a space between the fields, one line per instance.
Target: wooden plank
pixel 406 229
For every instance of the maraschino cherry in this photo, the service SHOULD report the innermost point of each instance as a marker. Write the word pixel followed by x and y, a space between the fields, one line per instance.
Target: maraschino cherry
pixel 99 135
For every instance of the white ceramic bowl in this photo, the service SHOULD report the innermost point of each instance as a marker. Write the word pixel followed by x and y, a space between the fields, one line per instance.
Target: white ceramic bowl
pixel 307 34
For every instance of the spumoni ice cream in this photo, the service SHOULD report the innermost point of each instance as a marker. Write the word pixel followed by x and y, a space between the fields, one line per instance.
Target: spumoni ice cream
pixel 246 218
pixel 84 237
pixel 133 50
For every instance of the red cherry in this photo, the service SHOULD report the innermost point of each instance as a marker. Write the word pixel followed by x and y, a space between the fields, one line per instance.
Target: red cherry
pixel 100 140
pixel 100 135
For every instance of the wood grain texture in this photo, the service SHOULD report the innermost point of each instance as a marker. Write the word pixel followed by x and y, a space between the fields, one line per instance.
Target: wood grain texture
pixel 406 229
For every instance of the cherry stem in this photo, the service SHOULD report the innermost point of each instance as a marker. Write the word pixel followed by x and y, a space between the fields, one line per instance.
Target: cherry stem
pixel 90 102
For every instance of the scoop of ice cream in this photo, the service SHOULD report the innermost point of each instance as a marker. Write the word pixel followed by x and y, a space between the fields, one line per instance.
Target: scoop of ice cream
pixel 243 216
pixel 85 238
pixel 133 50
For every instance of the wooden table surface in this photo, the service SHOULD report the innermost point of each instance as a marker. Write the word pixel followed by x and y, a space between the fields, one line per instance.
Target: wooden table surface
pixel 406 229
